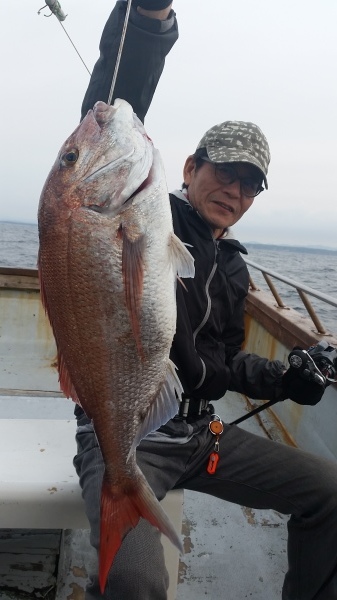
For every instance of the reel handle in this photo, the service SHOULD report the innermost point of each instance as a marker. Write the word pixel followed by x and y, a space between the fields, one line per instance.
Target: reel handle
pixel 304 363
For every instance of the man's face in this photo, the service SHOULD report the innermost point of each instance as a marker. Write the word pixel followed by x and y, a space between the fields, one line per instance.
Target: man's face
pixel 220 204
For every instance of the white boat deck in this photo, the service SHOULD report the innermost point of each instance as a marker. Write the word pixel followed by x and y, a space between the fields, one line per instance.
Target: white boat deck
pixel 229 551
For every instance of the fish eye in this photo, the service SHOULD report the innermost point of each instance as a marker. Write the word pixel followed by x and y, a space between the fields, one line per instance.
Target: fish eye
pixel 69 158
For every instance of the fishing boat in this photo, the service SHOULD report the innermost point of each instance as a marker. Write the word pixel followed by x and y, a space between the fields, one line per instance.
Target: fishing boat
pixel 44 536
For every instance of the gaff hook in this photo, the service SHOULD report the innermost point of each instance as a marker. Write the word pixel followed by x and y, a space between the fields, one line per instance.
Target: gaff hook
pixel 55 8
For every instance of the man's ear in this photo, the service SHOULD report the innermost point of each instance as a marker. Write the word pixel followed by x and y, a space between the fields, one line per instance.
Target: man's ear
pixel 189 169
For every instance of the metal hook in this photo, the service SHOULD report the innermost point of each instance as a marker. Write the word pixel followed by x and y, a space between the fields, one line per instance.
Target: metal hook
pixel 45 6
pixel 55 8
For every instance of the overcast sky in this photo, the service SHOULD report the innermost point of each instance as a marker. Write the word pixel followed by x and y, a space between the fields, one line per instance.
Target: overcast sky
pixel 270 62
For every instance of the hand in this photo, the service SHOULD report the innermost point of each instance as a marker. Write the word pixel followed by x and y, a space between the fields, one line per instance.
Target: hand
pixel 301 386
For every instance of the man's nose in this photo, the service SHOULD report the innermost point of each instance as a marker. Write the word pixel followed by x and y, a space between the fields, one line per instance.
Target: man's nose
pixel 232 189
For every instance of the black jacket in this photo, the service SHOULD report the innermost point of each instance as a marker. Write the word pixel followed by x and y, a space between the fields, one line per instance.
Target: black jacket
pixel 147 42
pixel 210 317
pixel 210 324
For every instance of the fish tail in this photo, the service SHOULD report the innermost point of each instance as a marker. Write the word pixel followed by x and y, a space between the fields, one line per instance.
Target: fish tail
pixel 120 513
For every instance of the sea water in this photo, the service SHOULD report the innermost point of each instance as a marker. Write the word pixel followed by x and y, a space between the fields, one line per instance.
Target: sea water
pixel 313 267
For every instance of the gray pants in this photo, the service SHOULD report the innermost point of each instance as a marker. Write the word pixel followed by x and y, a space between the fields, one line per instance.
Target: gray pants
pixel 252 471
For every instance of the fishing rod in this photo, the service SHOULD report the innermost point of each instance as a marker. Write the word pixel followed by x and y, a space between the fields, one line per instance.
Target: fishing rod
pixel 120 49
pixel 317 364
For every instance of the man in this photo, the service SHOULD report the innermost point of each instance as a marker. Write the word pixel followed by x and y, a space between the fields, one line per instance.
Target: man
pixel 221 179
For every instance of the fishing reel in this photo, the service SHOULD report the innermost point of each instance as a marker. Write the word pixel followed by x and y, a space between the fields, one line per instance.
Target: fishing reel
pixel 318 363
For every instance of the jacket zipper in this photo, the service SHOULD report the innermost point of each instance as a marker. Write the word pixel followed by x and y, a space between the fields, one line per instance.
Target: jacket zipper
pixel 208 310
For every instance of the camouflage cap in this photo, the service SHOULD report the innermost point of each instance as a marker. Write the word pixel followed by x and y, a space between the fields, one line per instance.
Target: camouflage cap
pixel 237 141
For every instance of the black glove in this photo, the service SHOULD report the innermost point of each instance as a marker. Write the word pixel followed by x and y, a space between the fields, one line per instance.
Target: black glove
pixel 301 383
pixel 299 390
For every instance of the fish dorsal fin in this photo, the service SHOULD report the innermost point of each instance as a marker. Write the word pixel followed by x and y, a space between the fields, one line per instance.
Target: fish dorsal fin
pixel 164 407
pixel 182 260
pixel 133 277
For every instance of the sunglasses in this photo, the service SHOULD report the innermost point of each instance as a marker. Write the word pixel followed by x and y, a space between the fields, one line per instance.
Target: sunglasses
pixel 227 174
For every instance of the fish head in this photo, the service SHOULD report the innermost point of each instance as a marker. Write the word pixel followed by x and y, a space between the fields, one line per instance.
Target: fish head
pixel 103 162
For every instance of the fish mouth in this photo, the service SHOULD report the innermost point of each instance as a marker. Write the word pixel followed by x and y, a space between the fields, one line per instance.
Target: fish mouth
pixel 103 112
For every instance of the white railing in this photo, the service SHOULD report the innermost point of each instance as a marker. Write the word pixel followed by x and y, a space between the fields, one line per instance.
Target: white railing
pixel 303 291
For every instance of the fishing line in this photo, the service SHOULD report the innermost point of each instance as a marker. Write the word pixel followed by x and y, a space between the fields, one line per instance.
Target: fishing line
pixel 56 10
pixel 68 36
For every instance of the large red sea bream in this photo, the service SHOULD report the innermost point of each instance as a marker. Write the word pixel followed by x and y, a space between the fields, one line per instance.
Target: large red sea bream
pixel 108 265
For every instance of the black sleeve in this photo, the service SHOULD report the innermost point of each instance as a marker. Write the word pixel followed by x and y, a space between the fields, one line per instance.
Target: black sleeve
pixel 256 376
pixel 147 42
pixel 250 374
pixel 209 366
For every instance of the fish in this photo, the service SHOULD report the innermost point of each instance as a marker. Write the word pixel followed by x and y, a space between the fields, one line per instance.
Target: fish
pixel 108 265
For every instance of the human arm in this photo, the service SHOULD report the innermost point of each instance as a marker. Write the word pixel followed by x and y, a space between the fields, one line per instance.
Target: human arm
pixel 270 379
pixel 264 379
pixel 253 375
pixel 147 42
pixel 257 377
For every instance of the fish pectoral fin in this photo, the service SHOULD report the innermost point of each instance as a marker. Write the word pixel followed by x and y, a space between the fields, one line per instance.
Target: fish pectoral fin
pixel 133 277
pixel 120 512
pixel 163 408
pixel 182 260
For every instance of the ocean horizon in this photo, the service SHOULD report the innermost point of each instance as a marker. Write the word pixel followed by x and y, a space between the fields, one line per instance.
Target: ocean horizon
pixel 290 247
pixel 313 267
